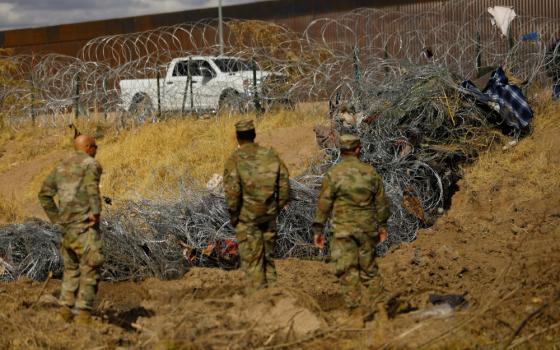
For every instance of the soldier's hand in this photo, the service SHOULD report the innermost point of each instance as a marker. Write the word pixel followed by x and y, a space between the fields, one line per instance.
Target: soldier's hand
pixel 382 234
pixel 93 220
pixel 319 240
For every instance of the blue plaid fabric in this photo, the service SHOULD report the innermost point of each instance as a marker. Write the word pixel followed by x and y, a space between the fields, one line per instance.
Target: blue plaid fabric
pixel 513 106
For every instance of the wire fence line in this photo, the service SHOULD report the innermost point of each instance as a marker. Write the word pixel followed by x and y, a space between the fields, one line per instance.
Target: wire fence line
pixel 331 53
pixel 398 74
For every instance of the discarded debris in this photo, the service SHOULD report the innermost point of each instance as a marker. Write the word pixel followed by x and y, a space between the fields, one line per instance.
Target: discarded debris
pixel 453 300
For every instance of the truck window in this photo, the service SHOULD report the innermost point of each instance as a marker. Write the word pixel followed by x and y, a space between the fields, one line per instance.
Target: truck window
pixel 205 65
pixel 231 65
pixel 181 69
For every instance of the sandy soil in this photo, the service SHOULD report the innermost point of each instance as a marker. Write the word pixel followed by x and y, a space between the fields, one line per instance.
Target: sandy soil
pixel 498 246
pixel 14 183
pixel 296 146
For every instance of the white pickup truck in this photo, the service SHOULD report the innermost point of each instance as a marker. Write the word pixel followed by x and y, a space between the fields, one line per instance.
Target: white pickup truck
pixel 217 83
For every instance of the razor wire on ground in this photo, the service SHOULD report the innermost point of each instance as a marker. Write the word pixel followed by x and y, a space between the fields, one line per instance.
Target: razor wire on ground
pixel 156 238
pixel 399 75
pixel 416 131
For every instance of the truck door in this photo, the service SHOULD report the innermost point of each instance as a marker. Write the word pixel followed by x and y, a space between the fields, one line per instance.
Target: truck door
pixel 207 90
pixel 177 87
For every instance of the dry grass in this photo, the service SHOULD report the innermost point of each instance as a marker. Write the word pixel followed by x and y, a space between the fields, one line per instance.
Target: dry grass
pixel 10 209
pixel 154 159
pixel 540 147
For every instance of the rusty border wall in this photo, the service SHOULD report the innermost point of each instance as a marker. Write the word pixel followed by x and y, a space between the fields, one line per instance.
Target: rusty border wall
pixel 296 15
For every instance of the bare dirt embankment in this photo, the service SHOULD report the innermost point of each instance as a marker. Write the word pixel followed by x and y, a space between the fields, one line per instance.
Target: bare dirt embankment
pixel 498 245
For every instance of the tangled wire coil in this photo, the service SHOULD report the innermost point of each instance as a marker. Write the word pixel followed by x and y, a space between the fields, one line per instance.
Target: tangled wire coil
pixel 316 62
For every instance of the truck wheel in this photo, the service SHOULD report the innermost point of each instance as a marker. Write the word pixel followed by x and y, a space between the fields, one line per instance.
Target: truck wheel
pixel 230 102
pixel 141 108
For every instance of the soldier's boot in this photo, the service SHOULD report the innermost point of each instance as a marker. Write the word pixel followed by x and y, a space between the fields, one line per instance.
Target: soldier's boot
pixel 65 314
pixel 83 317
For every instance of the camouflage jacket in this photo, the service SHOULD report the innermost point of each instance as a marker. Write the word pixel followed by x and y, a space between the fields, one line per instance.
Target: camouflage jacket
pixel 76 182
pixel 256 184
pixel 352 192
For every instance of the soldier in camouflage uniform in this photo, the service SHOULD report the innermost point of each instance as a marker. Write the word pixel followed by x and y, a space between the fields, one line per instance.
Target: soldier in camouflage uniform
pixel 352 193
pixel 76 183
pixel 256 186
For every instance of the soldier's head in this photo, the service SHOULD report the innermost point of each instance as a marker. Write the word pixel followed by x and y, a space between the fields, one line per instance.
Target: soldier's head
pixel 349 144
pixel 86 144
pixel 245 131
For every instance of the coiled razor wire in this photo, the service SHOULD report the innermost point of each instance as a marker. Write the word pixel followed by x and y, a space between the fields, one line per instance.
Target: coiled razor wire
pixel 329 54
pixel 151 238
pixel 399 73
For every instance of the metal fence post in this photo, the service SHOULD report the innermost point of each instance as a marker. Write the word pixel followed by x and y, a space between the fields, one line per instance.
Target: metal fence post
pixel 158 95
pixel 478 62
pixel 190 84
pixel 77 95
pixel 356 65
pixel 187 83
pixel 256 101
pixel 511 42
pixel 386 57
pixel 32 90
pixel 105 98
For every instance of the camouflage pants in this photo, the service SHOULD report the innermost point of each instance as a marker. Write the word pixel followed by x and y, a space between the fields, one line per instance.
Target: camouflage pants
pixel 354 264
pixel 256 248
pixel 82 259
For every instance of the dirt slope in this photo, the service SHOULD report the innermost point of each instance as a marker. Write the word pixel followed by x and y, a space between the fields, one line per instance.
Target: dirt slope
pixel 14 182
pixel 296 146
pixel 499 246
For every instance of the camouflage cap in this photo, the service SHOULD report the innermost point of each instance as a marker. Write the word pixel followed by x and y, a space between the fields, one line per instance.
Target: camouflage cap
pixel 349 142
pixel 245 125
